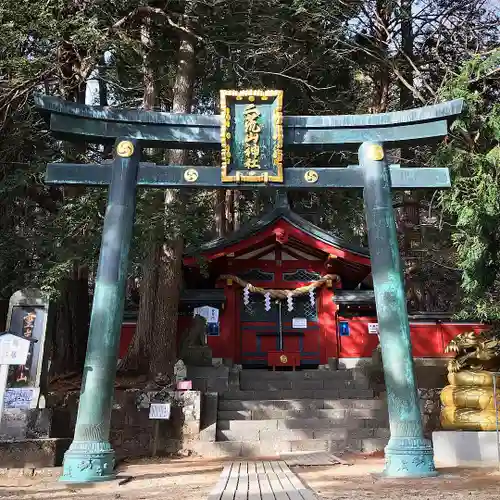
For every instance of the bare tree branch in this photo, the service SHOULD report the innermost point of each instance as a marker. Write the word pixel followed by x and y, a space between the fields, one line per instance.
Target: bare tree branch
pixel 144 11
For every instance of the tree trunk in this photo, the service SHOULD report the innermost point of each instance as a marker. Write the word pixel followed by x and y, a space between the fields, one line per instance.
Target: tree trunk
pixel 170 265
pixel 229 210
pixel 72 317
pixel 405 94
pixel 154 349
pixel 70 332
pixel 220 213
pixel 381 76
pixel 148 80
pixel 138 354
pixel 409 213
pixel 236 209
pixel 164 349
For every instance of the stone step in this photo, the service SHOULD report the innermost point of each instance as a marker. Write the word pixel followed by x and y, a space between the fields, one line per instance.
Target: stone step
pixel 249 374
pixel 335 434
pixel 271 413
pixel 301 404
pixel 234 449
pixel 299 394
pixel 303 384
pixel 253 427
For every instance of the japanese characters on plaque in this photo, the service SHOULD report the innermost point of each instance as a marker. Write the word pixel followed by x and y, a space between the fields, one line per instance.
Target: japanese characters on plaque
pixel 24 323
pixel 21 397
pixel 252 136
pixel 28 315
pixel 13 350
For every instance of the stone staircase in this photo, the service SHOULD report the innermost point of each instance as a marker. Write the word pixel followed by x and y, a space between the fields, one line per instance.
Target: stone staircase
pixel 275 413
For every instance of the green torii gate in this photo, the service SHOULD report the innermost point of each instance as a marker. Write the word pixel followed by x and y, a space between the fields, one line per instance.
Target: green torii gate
pixel 252 133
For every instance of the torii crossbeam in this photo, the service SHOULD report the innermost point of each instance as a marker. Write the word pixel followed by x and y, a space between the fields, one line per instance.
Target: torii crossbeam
pixel 252 133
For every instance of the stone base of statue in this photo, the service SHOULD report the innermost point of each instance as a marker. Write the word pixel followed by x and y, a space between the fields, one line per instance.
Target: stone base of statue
pixel 465 448
pixel 197 356
pixel 468 402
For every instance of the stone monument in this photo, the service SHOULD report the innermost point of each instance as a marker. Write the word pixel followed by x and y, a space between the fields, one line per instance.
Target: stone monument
pixel 194 350
pixel 26 423
pixel 180 371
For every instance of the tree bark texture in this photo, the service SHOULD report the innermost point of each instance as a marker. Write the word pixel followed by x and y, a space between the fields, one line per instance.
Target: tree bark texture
pixel 229 210
pixel 71 326
pixel 381 75
pixel 72 310
pixel 148 80
pixel 236 209
pixel 221 220
pixel 409 213
pixel 137 359
pixel 170 265
pixel 154 348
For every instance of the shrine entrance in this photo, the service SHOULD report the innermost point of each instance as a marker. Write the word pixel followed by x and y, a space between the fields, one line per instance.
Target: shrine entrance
pixel 279 274
pixel 267 334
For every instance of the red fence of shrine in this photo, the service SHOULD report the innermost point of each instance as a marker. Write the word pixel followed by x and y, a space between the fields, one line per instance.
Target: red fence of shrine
pixel 429 338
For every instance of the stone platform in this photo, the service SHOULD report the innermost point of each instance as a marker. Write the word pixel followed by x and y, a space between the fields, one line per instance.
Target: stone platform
pixel 26 440
pixel 465 448
pixel 33 453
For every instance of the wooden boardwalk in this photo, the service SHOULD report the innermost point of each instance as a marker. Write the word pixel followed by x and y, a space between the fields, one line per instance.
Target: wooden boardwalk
pixel 259 481
pixel 314 458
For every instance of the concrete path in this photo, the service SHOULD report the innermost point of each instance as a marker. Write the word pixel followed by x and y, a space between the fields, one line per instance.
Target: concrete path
pixel 260 481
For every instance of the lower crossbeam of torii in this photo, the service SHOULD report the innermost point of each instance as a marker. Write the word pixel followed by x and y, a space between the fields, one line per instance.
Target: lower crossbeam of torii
pixel 258 144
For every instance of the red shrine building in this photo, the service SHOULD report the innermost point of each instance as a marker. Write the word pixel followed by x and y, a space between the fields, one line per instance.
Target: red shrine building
pixel 333 321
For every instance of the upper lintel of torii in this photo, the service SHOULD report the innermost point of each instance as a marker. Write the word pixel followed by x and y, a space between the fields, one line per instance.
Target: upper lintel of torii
pixel 252 133
pixel 77 122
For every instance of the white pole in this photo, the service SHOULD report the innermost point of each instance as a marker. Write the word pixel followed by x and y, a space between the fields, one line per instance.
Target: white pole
pixel 4 373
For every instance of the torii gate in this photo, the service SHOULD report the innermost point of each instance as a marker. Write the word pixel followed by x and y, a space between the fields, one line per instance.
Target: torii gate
pixel 252 133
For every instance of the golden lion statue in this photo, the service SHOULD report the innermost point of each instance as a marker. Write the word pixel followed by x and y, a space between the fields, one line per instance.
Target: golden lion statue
pixel 475 351
pixel 469 402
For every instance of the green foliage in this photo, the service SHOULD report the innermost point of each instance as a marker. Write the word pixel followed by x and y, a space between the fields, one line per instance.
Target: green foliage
pixel 324 55
pixel 472 153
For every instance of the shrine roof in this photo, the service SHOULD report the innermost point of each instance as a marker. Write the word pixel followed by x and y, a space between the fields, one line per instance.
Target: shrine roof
pixel 245 236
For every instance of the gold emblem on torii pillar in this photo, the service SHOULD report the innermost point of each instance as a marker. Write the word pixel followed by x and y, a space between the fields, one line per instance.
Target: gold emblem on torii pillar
pixel 125 149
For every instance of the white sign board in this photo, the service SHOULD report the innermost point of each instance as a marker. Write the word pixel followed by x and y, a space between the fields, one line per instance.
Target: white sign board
pixel 21 397
pixel 299 323
pixel 13 350
pixel 159 411
pixel 373 328
pixel 211 314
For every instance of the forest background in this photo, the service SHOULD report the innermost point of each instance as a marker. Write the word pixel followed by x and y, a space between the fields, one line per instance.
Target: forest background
pixel 329 57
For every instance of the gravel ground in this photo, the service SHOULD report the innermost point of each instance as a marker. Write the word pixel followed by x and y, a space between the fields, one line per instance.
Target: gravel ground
pixel 193 479
pixel 176 480
pixel 361 482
